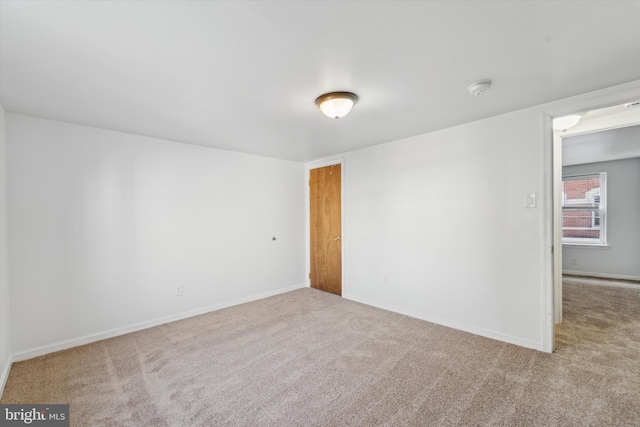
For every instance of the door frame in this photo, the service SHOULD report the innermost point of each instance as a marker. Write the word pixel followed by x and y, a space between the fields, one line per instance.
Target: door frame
pixel 307 216
pixel 615 95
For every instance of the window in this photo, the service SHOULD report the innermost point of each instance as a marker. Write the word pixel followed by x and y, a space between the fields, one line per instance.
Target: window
pixel 584 209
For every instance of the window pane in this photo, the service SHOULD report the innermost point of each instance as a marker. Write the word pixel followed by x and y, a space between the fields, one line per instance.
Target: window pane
pixel 583 208
pixel 581 193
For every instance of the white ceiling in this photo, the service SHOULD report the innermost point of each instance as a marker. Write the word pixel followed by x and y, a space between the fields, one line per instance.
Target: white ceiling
pixel 611 117
pixel 244 75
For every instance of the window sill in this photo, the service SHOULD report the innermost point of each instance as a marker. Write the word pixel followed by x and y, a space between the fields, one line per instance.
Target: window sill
pixel 587 245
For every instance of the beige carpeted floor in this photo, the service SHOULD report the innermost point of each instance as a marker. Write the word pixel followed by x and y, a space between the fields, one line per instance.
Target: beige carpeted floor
pixel 308 358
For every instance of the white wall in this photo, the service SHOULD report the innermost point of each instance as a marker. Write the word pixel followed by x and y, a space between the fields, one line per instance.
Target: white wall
pixel 621 258
pixel 5 332
pixel 105 225
pixel 443 216
pixel 613 144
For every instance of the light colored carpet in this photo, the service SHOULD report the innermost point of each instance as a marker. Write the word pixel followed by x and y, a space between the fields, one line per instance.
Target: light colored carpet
pixel 308 358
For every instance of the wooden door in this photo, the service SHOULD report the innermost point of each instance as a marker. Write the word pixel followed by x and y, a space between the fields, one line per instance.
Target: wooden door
pixel 326 229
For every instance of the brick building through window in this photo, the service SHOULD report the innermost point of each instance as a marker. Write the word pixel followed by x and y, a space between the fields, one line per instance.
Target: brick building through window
pixel 583 209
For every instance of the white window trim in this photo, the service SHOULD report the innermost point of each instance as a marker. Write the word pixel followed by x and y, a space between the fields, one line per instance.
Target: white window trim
pixel 586 242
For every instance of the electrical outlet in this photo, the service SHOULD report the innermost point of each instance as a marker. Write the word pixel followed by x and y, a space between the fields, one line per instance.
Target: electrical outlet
pixel 574 261
pixel 385 279
pixel 178 290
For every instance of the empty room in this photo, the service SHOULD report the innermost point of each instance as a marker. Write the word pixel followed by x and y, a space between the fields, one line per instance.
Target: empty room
pixel 319 213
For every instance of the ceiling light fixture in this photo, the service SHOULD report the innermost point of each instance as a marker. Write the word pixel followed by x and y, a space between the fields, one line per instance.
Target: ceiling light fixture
pixel 566 122
pixel 336 104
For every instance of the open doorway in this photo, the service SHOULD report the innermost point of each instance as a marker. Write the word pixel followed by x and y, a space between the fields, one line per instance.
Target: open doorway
pixel 596 164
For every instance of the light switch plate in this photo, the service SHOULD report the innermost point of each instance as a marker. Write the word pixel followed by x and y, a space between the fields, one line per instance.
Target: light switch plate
pixel 530 200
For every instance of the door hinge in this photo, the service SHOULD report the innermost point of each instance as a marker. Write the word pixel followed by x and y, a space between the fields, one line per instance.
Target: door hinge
pixel 309 183
pixel 309 275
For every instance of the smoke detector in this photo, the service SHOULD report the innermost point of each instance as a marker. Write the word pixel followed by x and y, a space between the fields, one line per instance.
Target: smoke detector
pixel 478 88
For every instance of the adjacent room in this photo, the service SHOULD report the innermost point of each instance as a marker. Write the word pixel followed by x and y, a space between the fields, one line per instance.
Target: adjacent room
pixel 601 177
pixel 355 213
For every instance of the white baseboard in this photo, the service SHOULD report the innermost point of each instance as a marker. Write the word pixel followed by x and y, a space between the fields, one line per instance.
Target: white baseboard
pixel 455 325
pixel 601 275
pixel 87 339
pixel 4 375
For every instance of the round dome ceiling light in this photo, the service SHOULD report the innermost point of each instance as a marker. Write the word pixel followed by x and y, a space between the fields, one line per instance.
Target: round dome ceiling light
pixel 566 122
pixel 478 88
pixel 336 104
